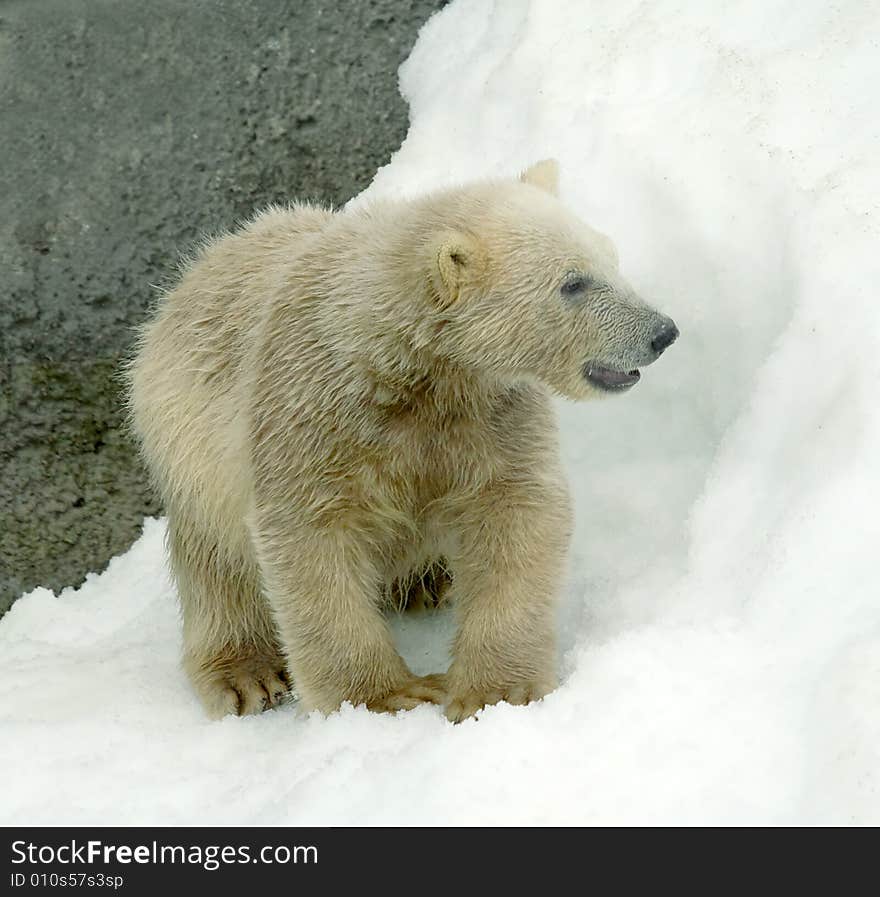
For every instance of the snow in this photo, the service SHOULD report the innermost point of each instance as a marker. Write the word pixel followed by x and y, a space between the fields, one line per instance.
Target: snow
pixel 721 629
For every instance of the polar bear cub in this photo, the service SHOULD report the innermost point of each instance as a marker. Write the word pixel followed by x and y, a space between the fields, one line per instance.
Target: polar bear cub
pixel 343 410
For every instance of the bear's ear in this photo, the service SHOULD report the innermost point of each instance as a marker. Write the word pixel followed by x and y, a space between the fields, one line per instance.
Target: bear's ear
pixel 544 175
pixel 458 262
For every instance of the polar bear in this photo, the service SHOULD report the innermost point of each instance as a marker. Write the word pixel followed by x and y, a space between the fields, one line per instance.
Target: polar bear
pixel 344 409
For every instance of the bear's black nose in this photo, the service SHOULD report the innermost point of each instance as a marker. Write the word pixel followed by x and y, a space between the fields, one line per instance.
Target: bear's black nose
pixel 665 335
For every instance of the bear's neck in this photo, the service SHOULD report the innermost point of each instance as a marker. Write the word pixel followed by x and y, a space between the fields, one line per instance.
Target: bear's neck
pixel 430 387
pixel 389 330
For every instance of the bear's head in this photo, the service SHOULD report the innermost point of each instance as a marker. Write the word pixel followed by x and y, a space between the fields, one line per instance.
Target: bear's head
pixel 523 289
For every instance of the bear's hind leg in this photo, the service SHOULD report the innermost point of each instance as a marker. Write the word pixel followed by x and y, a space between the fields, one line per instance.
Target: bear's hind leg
pixel 231 651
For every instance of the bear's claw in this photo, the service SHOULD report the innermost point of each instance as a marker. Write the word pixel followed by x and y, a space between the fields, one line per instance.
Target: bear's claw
pixel 242 685
pixel 418 690
pixel 469 702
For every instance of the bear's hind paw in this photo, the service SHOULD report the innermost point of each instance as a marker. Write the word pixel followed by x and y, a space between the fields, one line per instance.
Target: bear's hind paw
pixel 241 685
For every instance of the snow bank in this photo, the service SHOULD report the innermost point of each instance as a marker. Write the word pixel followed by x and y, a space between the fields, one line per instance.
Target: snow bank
pixel 721 630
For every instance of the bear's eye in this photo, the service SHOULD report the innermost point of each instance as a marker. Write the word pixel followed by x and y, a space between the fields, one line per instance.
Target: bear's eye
pixel 574 286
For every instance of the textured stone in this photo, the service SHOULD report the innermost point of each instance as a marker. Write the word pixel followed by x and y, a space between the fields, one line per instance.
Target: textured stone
pixel 128 130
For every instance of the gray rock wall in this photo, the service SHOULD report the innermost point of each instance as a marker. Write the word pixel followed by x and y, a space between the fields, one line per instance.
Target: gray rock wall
pixel 128 128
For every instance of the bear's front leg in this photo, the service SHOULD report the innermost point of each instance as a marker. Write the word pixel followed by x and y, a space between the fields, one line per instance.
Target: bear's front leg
pixel 507 575
pixel 322 585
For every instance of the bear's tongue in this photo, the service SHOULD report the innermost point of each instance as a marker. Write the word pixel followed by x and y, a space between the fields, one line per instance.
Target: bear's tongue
pixel 606 378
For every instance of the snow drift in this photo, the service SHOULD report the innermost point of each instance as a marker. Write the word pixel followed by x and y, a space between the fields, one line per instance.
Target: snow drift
pixel 721 629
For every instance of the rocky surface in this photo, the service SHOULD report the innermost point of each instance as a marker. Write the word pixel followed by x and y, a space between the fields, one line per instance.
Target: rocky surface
pixel 127 131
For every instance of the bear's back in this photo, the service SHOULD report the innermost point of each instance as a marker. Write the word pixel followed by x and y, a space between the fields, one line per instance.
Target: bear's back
pixel 187 379
pixel 206 323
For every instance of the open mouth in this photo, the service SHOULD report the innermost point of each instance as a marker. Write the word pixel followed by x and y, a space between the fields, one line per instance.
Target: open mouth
pixel 609 379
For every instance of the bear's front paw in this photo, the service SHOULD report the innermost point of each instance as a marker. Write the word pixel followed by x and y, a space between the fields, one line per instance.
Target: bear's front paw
pixel 467 702
pixel 414 691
